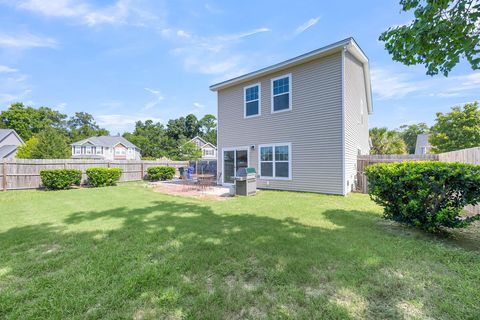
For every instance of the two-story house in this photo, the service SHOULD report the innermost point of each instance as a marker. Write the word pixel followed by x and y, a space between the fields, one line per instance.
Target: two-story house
pixel 105 147
pixel 9 143
pixel 301 123
pixel 209 151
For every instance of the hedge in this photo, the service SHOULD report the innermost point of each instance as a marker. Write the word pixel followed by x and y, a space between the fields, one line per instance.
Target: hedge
pixel 426 194
pixel 103 177
pixel 60 179
pixel 160 173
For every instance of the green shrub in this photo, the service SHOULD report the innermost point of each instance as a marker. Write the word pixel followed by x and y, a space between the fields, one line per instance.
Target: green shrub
pixel 425 194
pixel 103 177
pixel 161 173
pixel 60 179
pixel 148 158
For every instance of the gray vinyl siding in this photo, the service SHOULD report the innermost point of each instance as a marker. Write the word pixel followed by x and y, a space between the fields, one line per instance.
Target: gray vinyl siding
pixel 356 133
pixel 314 126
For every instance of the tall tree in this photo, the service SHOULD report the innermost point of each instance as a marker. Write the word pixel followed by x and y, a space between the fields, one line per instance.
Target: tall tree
pixel 441 33
pixel 192 126
pixel 410 132
pixel 82 125
pixel 51 144
pixel 457 129
pixel 189 151
pixel 25 150
pixel 183 128
pixel 386 141
pixel 28 121
pixel 208 128
pixel 149 137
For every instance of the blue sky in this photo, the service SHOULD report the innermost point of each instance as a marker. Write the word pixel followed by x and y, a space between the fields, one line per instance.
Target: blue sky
pixel 130 60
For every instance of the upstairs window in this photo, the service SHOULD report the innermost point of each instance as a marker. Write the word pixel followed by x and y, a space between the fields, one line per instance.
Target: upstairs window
pixel 281 93
pixel 208 152
pixel 252 100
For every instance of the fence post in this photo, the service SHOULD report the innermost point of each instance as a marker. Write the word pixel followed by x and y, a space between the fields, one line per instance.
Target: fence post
pixel 5 175
pixel 142 173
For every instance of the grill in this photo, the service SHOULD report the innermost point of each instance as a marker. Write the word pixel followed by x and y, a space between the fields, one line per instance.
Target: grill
pixel 246 182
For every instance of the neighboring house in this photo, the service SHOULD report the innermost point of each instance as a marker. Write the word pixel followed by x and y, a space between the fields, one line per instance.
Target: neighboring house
pixel 423 145
pixel 209 151
pixel 105 147
pixel 301 123
pixel 9 143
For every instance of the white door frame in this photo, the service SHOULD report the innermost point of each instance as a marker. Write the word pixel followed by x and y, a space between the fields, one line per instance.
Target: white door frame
pixel 235 160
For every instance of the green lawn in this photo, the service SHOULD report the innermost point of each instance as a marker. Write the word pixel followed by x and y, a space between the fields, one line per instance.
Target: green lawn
pixel 127 252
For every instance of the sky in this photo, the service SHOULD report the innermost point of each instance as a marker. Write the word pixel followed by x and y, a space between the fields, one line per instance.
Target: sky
pixel 129 60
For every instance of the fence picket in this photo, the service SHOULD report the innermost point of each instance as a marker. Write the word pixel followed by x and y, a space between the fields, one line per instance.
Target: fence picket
pixel 25 173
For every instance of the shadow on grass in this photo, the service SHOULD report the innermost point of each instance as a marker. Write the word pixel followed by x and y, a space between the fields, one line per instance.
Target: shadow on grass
pixel 181 259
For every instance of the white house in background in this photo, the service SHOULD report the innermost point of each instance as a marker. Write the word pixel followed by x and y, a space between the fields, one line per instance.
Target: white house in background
pixel 209 151
pixel 9 143
pixel 105 147
pixel 423 144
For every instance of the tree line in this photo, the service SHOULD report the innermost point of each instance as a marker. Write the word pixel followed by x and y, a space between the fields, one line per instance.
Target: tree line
pixel 454 130
pixel 48 133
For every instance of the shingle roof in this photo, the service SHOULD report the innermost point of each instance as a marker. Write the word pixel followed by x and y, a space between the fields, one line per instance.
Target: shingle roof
pixel 349 44
pixel 106 141
pixel 5 132
pixel 5 151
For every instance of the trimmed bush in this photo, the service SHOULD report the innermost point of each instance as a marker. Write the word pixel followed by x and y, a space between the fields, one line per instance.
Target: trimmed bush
pixel 426 194
pixel 161 173
pixel 103 177
pixel 60 179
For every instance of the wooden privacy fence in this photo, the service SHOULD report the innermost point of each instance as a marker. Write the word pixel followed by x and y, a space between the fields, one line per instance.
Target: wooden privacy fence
pixel 471 155
pixel 25 173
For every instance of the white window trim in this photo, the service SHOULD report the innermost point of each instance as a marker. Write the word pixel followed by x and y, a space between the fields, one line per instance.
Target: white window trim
pixel 289 76
pixel 259 100
pixel 273 145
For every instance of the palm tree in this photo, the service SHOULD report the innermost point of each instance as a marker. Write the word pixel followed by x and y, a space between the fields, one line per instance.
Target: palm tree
pixel 386 141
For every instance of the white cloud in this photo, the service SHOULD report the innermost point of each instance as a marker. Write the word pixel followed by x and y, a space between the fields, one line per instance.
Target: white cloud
pixel 61 106
pixel 183 34
pixel 387 84
pixel 121 12
pixel 212 9
pixel 238 36
pixel 14 87
pixel 306 25
pixel 212 55
pixel 8 98
pixel 155 102
pixel 26 41
pixel 5 69
pixel 122 121
pixel 390 84
pixel 197 108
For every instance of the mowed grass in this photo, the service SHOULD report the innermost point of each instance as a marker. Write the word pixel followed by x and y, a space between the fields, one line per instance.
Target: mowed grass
pixel 128 252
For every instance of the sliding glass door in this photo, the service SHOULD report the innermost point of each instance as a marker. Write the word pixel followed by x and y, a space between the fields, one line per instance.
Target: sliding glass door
pixel 233 159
